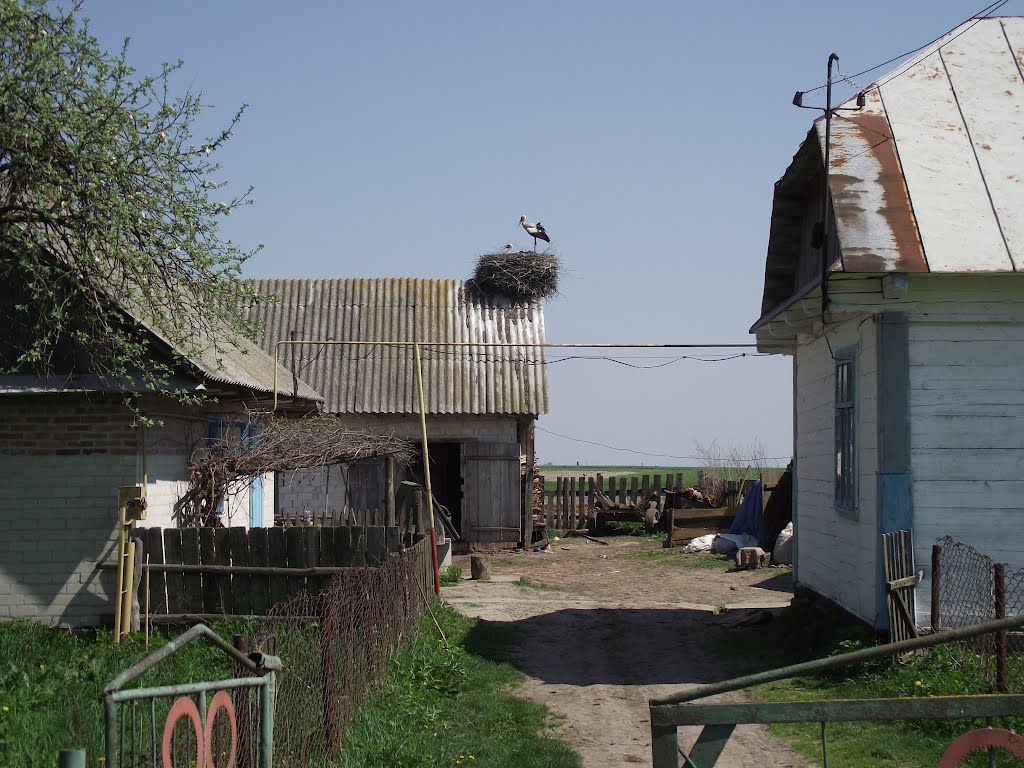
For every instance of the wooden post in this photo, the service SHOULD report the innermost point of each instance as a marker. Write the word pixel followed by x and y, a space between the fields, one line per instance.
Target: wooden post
pixel 581 506
pixel 563 498
pixel 936 607
pixel 1002 638
pixel 389 491
pixel 528 438
pixel 328 635
pixel 570 503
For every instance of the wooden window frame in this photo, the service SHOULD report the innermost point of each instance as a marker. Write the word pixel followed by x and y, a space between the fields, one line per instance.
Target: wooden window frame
pixel 845 497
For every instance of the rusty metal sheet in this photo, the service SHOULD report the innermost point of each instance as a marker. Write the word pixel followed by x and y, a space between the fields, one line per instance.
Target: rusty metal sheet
pixel 958 228
pixel 874 219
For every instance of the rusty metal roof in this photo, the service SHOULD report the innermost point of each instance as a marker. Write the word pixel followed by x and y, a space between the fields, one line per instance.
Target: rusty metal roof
pixel 371 379
pixel 929 175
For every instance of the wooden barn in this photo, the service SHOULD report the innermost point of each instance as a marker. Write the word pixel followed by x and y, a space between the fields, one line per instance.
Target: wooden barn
pixel 481 401
pixel 909 410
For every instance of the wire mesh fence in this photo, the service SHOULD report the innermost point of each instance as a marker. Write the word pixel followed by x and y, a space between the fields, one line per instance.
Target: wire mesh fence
pixel 969 588
pixel 335 645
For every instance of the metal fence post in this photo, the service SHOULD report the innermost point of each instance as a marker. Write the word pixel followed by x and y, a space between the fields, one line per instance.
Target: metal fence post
pixel 1002 637
pixel 267 695
pixel 936 607
pixel 664 746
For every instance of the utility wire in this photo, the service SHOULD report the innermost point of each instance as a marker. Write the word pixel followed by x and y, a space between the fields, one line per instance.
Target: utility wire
pixel 988 9
pixel 648 453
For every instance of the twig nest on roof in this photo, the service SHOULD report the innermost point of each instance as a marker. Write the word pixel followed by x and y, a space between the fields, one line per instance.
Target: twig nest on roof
pixel 520 275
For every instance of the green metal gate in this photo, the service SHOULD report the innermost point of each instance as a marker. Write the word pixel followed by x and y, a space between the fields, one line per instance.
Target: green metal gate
pixel 212 724
pixel 720 720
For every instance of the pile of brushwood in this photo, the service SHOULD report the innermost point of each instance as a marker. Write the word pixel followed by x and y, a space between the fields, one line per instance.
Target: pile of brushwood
pixel 523 276
pixel 274 443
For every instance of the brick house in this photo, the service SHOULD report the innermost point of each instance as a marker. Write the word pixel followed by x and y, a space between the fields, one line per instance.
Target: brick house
pixel 68 442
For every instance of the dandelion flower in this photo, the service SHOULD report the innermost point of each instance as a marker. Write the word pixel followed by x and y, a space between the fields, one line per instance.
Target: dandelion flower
pixel 918 683
pixel 6 708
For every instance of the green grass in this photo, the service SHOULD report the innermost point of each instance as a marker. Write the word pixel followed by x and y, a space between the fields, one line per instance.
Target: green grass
pixel 50 684
pixel 676 559
pixel 527 583
pixel 803 633
pixel 634 529
pixel 450 576
pixel 450 705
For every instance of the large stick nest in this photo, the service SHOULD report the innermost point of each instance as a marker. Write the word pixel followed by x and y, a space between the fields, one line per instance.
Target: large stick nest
pixel 275 444
pixel 520 275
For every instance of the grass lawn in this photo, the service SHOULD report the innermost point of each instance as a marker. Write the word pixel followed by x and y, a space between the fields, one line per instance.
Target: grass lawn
pixel 440 704
pixel 51 680
pixel 804 633
pixel 450 705
pixel 676 558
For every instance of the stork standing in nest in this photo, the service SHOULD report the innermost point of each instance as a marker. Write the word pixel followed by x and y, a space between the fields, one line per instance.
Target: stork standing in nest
pixel 534 230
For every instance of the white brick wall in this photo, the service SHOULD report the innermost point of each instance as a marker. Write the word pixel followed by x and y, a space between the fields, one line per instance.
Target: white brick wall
pixel 59 520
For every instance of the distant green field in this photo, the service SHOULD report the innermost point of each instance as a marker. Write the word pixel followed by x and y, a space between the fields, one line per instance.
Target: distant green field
pixel 550 472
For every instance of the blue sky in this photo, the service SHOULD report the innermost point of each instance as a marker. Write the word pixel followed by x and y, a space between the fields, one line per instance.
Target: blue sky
pixel 406 138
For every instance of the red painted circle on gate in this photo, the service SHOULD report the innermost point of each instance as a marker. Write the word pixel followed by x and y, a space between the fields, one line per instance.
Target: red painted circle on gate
pixel 979 739
pixel 183 707
pixel 221 700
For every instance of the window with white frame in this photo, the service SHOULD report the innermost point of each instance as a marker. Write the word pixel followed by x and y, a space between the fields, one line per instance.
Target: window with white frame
pixel 846 435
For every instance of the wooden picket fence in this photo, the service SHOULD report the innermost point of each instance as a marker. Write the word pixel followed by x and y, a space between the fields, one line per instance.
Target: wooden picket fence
pixel 569 504
pixel 198 574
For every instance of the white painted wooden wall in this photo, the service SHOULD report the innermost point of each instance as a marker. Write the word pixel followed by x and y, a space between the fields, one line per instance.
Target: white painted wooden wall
pixel 837 554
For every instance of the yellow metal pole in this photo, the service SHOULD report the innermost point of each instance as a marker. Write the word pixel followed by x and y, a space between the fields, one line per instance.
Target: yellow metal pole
pixel 426 469
pixel 147 601
pixel 120 572
pixel 126 597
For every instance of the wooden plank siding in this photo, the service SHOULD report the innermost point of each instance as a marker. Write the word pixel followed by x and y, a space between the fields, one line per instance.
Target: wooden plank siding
pixel 838 553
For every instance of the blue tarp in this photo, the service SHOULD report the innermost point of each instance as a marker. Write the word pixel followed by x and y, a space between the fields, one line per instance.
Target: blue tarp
pixel 748 516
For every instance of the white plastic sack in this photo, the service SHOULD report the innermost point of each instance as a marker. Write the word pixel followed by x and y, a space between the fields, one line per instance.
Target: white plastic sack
pixel 725 543
pixel 782 554
pixel 700 544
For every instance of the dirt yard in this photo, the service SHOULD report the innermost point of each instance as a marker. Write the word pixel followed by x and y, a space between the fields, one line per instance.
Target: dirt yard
pixel 609 627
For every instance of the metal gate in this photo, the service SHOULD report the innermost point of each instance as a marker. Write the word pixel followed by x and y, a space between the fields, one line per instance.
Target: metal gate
pixel 211 724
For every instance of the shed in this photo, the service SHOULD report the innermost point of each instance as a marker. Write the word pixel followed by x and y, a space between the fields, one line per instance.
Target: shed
pixel 908 408
pixel 481 401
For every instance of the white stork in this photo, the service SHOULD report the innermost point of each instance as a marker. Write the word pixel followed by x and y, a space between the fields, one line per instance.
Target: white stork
pixel 534 230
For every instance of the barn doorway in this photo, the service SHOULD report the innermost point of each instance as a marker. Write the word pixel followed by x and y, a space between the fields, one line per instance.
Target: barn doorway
pixel 446 478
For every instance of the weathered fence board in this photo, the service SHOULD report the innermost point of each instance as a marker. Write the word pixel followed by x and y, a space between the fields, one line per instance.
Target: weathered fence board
pixel 235 571
pixel 568 506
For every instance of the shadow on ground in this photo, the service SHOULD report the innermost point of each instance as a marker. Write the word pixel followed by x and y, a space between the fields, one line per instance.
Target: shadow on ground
pixel 608 646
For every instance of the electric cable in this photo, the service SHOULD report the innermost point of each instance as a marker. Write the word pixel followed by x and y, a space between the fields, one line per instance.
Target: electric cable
pixel 984 12
pixel 648 453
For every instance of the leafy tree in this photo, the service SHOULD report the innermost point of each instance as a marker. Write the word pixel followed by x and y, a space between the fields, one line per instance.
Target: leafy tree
pixel 109 208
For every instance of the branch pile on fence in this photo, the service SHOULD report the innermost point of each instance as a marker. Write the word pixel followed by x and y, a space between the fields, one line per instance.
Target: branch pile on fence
pixel 520 275
pixel 272 443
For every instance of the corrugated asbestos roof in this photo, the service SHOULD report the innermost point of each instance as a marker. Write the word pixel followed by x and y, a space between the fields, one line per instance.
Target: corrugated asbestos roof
pixel 381 379
pixel 238 362
pixel 929 175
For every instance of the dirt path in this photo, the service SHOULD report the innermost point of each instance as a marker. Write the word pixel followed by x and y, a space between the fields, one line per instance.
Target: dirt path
pixel 613 630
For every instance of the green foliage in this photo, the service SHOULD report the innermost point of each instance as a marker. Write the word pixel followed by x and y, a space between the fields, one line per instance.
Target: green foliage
pixel 446 704
pixel 634 528
pixel 804 633
pixel 451 575
pixel 109 208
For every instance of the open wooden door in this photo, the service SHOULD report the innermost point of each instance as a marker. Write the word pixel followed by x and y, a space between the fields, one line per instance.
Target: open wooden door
pixel 491 492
